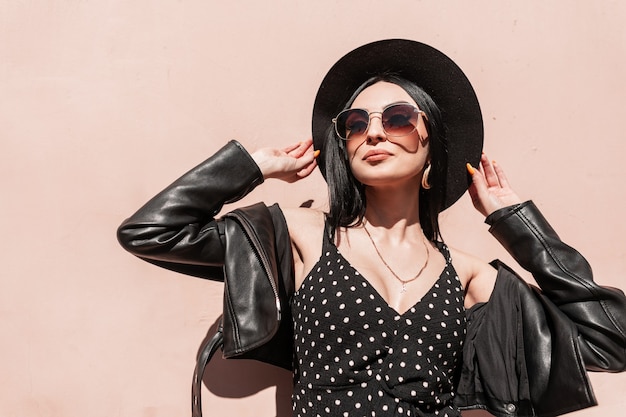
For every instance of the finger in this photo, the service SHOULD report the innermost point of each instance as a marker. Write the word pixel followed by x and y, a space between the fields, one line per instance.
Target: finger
pixel 478 180
pixel 306 171
pixel 477 188
pixel 504 182
pixel 291 147
pixel 487 169
pixel 305 144
pixel 300 149
pixel 301 159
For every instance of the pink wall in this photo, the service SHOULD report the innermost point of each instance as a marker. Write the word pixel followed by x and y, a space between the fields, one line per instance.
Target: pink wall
pixel 102 103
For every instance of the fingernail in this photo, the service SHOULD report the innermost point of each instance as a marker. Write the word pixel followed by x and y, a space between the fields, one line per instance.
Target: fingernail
pixel 493 162
pixel 470 168
pixel 316 153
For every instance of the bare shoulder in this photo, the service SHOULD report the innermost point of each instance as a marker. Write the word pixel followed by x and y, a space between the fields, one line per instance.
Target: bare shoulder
pixel 477 276
pixel 306 230
pixel 302 221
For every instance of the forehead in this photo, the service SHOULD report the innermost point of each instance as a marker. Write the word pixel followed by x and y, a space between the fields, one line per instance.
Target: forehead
pixel 378 96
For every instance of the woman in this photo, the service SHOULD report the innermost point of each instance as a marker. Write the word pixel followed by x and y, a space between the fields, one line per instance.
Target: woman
pixel 381 317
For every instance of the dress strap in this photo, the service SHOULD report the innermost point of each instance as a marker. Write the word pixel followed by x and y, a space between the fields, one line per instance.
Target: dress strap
pixel 443 248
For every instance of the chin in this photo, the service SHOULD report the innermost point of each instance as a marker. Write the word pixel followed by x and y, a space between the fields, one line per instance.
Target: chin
pixel 384 173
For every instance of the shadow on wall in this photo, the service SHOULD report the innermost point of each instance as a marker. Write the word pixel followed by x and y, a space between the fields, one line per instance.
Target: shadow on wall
pixel 240 378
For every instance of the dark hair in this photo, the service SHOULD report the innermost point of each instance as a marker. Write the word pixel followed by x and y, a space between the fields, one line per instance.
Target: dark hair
pixel 347 195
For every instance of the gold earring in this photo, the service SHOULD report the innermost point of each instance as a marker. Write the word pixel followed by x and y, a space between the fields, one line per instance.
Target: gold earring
pixel 425 183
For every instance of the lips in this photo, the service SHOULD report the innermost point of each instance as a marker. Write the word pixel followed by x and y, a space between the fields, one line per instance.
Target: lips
pixel 376 155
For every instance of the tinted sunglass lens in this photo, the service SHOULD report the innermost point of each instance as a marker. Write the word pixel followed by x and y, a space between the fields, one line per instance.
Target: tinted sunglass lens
pixel 352 123
pixel 400 120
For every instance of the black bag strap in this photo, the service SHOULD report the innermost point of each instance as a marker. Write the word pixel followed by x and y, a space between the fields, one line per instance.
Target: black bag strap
pixel 207 351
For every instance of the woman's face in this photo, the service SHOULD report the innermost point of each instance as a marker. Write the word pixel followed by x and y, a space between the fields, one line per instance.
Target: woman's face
pixel 379 159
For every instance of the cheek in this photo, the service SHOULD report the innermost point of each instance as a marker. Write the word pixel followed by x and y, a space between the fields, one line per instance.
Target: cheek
pixel 423 132
pixel 351 147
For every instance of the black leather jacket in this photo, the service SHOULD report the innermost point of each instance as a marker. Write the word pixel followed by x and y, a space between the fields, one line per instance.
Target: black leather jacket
pixel 526 350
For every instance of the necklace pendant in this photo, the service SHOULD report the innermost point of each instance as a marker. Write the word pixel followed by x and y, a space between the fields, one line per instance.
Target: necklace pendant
pixel 403 288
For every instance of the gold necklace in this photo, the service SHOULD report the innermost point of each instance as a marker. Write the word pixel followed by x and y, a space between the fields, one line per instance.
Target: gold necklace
pixel 403 281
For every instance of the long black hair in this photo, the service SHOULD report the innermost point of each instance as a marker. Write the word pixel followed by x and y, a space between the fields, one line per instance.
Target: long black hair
pixel 347 195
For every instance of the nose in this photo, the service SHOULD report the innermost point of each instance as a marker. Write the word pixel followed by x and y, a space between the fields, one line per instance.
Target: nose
pixel 375 130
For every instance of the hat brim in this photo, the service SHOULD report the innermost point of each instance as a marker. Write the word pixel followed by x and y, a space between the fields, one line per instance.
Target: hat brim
pixel 429 69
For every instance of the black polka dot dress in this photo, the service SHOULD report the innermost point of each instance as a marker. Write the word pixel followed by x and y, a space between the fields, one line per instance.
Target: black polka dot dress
pixel 356 356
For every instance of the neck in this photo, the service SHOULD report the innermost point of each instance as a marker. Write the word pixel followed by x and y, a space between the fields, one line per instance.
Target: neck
pixel 394 208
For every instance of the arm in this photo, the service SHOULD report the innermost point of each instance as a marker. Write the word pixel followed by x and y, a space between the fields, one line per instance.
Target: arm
pixel 176 229
pixel 566 279
pixel 563 274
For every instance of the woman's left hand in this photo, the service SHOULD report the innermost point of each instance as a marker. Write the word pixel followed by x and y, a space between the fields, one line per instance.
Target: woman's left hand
pixel 490 189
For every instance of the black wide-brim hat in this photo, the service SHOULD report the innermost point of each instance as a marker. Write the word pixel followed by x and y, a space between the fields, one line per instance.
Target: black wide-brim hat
pixel 429 69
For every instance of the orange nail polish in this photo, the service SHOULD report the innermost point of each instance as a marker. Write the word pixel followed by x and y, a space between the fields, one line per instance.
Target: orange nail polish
pixel 470 168
pixel 316 153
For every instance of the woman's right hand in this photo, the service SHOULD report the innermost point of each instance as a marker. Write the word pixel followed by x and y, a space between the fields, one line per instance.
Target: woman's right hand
pixel 289 164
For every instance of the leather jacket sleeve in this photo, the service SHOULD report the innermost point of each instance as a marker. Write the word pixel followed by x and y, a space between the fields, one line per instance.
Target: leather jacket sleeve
pixel 566 279
pixel 176 229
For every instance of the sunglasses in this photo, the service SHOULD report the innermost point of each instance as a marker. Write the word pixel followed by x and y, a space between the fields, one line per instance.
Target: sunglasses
pixel 397 119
